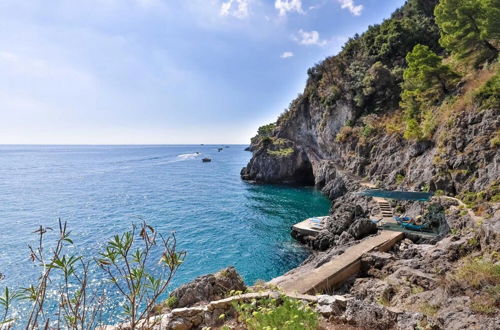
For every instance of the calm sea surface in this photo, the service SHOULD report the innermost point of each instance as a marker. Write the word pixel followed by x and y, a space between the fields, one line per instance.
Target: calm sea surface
pixel 101 190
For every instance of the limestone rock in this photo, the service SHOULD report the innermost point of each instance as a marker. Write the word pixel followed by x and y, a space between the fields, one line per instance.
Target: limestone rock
pixel 362 228
pixel 208 287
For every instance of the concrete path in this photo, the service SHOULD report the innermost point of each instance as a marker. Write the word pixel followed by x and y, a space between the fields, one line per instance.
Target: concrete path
pixel 338 269
pixel 385 210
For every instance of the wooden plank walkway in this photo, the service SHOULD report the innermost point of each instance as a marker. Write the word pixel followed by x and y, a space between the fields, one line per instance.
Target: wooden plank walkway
pixel 337 270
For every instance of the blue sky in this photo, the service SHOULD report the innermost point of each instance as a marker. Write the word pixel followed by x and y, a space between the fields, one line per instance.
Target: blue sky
pixel 162 71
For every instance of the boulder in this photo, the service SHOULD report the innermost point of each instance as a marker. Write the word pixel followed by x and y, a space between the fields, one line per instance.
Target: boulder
pixel 369 316
pixel 208 287
pixel 489 234
pixel 375 260
pixel 362 228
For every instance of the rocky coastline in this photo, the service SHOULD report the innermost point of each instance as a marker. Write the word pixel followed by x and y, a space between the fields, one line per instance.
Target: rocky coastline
pixel 347 132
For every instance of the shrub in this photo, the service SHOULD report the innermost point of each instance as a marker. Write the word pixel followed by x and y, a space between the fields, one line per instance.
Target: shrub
pixel 283 313
pixel 171 301
pixel 495 141
pixel 428 309
pixel 126 262
pixel 479 273
pixel 283 152
pixel 488 96
pixel 344 133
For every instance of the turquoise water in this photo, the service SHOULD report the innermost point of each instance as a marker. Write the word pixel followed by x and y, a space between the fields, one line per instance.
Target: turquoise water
pixel 100 190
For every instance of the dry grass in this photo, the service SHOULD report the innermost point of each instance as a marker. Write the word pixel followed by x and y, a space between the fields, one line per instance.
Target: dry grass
pixel 473 82
pixel 479 272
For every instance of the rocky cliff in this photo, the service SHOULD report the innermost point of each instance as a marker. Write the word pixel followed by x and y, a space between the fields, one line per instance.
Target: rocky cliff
pixel 346 132
pixel 347 122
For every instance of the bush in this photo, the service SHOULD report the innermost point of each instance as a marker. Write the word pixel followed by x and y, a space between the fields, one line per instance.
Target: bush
pixel 283 152
pixel 495 141
pixel 127 264
pixel 344 134
pixel 283 313
pixel 479 273
pixel 488 96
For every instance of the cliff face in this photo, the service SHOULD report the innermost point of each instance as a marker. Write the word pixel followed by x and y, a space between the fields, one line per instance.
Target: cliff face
pixel 346 131
pixel 348 122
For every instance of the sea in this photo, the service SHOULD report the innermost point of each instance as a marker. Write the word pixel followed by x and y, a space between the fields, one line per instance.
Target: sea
pixel 100 191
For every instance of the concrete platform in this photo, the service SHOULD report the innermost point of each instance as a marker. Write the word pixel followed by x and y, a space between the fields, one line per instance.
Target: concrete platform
pixel 309 227
pixel 336 271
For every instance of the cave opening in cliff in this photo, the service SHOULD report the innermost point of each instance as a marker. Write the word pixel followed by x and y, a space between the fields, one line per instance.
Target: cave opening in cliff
pixel 304 175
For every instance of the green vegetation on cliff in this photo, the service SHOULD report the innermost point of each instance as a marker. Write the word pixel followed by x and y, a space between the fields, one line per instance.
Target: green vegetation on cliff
pixel 469 28
pixel 426 81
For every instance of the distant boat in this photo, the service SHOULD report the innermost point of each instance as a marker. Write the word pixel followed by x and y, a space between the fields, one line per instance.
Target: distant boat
pixel 220 149
pixel 206 160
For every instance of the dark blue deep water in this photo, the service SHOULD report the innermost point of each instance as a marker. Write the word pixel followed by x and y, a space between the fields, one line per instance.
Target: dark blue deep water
pixel 101 190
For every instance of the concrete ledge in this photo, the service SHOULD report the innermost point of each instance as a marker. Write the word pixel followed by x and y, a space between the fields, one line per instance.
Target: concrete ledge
pixel 339 269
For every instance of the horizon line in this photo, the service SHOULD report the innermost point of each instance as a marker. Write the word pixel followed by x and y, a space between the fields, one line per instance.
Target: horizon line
pixel 119 144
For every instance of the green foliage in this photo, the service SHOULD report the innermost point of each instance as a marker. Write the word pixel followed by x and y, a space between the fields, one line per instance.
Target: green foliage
pixel 426 82
pixel 399 178
pixel 495 141
pixel 482 275
pixel 488 96
pixel 469 27
pixel 367 72
pixel 428 309
pixel 126 261
pixel 283 313
pixel 282 152
pixel 479 272
pixel 263 132
pixel 171 301
pixel 344 133
pixel 6 301
pixel 266 130
pixel 439 192
pixel 367 130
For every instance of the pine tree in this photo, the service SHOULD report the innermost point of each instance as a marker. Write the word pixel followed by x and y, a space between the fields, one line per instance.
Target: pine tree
pixel 426 81
pixel 469 27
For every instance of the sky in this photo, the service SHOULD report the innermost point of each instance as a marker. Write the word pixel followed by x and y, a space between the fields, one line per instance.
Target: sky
pixel 162 71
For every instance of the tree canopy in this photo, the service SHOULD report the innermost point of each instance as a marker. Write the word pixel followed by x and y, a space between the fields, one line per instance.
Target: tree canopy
pixel 469 27
pixel 426 81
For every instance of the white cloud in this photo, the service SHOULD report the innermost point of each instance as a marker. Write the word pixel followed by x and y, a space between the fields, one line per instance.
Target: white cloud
pixel 286 55
pixel 349 5
pixel 309 38
pixel 236 8
pixel 284 6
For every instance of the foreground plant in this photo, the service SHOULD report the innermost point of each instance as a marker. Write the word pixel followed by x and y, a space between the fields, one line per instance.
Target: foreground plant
pixel 127 267
pixel 283 313
pixel 128 263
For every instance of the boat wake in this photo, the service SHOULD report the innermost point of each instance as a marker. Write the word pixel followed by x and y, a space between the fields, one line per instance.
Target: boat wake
pixel 187 156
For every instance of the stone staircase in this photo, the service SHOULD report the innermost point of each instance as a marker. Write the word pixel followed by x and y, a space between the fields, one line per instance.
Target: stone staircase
pixel 385 209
